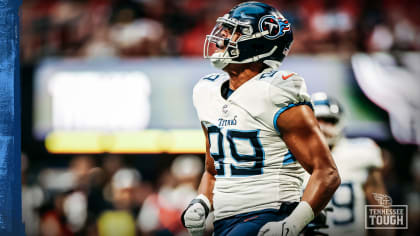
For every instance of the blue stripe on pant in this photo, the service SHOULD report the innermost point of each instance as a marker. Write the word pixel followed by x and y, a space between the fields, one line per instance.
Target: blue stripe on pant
pixel 248 224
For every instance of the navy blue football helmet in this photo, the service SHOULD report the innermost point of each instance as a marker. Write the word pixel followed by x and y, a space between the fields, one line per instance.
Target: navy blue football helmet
pixel 250 32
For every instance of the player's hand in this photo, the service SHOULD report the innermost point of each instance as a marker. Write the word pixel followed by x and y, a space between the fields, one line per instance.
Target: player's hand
pixel 279 228
pixel 291 225
pixel 194 217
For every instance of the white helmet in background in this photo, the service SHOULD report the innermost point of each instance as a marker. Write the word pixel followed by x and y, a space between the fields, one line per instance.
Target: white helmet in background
pixel 187 166
pixel 329 114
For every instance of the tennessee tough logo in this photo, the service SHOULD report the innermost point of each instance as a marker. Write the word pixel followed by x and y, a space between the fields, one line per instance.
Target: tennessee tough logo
pixel 276 27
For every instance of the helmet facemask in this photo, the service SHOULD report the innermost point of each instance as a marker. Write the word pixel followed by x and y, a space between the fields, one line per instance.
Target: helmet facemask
pixel 221 46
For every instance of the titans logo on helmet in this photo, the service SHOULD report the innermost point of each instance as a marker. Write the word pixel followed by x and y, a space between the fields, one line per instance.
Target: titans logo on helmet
pixel 276 27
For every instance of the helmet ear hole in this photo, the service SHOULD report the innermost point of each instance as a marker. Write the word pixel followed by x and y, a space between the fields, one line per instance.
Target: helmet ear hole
pixel 246 30
pixel 234 52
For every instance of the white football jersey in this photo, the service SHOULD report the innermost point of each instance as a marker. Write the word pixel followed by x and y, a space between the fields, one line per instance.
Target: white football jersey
pixel 354 158
pixel 255 169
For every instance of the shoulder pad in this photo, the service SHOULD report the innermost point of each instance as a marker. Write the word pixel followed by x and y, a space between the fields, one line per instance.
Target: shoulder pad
pixel 278 74
pixel 209 81
pixel 212 77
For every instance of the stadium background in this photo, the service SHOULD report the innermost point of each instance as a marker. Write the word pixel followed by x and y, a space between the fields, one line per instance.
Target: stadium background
pixel 106 102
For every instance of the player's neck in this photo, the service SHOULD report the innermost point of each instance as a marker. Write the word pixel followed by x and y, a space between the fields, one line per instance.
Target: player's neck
pixel 241 73
pixel 237 80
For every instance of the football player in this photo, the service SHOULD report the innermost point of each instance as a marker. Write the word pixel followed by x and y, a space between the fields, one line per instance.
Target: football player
pixel 359 162
pixel 261 132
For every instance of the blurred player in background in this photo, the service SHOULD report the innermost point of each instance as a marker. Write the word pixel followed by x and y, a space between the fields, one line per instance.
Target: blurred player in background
pixel 261 134
pixel 120 220
pixel 161 211
pixel 359 161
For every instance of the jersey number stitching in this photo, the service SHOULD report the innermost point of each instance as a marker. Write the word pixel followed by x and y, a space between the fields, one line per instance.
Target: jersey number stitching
pixel 246 164
pixel 349 206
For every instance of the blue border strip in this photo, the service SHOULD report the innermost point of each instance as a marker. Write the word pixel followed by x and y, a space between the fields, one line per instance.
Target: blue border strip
pixel 289 158
pixel 321 102
pixel 10 129
pixel 283 109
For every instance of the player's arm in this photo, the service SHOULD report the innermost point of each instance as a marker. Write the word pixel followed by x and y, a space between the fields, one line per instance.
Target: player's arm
pixel 207 181
pixel 374 184
pixel 194 216
pixel 300 131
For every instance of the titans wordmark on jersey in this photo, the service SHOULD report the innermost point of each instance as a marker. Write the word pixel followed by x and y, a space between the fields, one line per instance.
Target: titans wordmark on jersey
pixel 255 169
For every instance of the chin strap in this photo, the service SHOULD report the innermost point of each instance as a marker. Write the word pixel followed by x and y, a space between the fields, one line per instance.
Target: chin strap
pixel 220 63
pixel 272 63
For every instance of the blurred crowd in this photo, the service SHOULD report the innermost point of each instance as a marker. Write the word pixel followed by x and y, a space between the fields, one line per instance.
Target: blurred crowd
pixel 138 28
pixel 107 197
